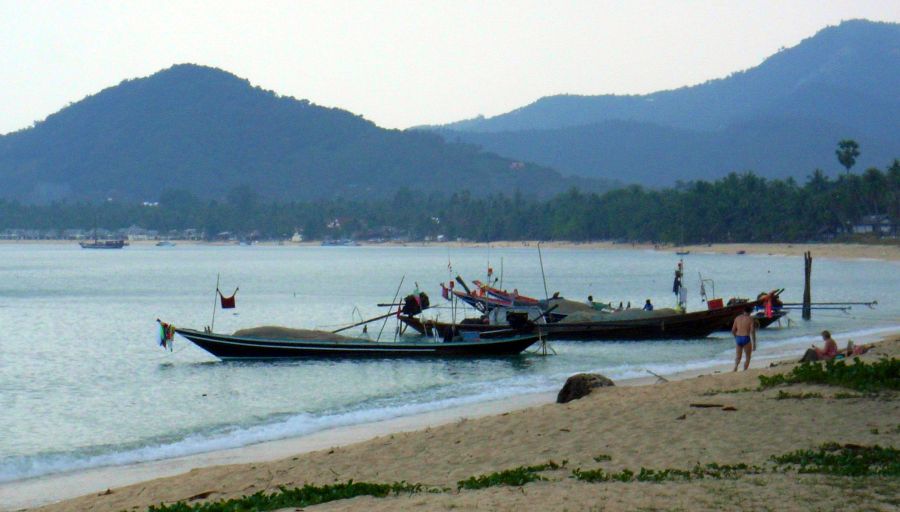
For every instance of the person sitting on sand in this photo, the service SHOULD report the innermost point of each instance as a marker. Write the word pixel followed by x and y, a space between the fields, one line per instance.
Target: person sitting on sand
pixel 828 351
pixel 744 331
pixel 648 306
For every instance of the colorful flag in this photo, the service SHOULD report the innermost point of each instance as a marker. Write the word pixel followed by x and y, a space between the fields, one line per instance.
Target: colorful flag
pixel 166 334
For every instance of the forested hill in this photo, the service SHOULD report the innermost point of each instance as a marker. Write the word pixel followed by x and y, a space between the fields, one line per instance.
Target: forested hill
pixel 781 118
pixel 208 132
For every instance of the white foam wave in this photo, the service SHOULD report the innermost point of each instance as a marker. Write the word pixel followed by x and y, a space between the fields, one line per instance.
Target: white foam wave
pixel 293 426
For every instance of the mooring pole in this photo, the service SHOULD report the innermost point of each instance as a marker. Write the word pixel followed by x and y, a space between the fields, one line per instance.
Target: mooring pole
pixel 807 272
pixel 212 324
pixel 541 259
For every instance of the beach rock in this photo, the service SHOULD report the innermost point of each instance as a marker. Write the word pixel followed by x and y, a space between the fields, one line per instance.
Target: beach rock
pixel 581 385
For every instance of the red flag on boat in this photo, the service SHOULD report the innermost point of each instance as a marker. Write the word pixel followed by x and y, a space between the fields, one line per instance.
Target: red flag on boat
pixel 227 302
pixel 445 292
pixel 768 306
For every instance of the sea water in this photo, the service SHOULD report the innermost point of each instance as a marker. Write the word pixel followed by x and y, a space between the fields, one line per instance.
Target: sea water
pixel 84 382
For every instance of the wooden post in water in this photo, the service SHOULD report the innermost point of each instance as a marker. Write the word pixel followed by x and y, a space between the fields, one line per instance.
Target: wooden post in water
pixel 807 270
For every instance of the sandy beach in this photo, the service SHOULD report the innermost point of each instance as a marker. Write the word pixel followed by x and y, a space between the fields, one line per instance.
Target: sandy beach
pixel 651 425
pixel 887 252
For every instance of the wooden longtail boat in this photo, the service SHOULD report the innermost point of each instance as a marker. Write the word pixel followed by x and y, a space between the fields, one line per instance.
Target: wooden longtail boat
pixel 698 324
pixel 229 347
pixel 481 303
pixel 512 298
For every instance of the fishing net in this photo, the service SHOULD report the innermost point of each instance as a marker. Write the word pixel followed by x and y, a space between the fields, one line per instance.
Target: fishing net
pixel 285 333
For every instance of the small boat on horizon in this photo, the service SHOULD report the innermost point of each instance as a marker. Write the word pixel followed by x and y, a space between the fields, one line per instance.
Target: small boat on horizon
pixel 103 244
pixel 165 243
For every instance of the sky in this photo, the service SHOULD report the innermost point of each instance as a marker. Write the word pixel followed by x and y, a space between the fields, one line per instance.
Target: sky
pixel 400 63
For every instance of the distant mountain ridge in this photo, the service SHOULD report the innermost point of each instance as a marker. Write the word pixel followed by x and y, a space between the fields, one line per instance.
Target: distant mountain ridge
pixel 207 131
pixel 844 82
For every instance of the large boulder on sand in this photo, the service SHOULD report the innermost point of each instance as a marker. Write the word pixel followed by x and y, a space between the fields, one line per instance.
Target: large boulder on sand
pixel 581 385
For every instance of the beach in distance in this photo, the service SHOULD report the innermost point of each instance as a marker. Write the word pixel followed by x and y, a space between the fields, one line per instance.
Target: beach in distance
pixel 887 251
pixel 826 250
pixel 697 418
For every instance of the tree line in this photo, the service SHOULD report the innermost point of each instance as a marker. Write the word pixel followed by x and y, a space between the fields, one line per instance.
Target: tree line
pixel 738 208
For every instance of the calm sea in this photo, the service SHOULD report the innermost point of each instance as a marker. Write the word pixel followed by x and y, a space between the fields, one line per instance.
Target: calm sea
pixel 83 382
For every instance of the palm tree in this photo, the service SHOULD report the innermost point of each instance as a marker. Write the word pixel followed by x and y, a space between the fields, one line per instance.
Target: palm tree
pixel 847 152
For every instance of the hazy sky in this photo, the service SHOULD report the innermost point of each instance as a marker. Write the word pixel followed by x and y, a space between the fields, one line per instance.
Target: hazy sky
pixel 399 63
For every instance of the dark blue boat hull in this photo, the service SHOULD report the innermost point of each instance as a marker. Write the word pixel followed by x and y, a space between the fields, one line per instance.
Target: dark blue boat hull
pixel 234 347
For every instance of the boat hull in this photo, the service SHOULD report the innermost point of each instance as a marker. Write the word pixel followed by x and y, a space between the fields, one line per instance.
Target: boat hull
pixel 699 324
pixel 762 321
pixel 234 347
pixel 103 244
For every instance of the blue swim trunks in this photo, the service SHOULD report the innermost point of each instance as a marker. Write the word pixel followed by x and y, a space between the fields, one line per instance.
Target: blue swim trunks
pixel 741 340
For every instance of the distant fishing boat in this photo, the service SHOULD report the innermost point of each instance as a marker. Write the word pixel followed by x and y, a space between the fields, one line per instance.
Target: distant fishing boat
pixel 281 343
pixel 103 244
pixel 682 253
pixel 165 243
pixel 97 243
pixel 343 242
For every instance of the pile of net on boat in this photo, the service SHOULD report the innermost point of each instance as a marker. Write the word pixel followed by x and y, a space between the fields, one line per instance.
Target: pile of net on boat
pixel 589 314
pixel 285 333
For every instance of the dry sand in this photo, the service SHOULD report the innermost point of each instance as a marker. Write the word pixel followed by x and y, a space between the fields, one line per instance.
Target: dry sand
pixel 650 426
pixel 890 252
pixel 838 251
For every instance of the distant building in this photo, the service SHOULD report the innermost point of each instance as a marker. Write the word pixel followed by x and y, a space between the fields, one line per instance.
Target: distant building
pixel 134 233
pixel 74 234
pixel 876 224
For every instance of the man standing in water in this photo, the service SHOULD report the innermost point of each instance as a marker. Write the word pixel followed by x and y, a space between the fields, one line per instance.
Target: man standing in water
pixel 744 331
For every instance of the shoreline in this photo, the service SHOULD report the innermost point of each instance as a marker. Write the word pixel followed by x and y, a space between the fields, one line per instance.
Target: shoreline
pixel 54 489
pixel 34 492
pixel 847 251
